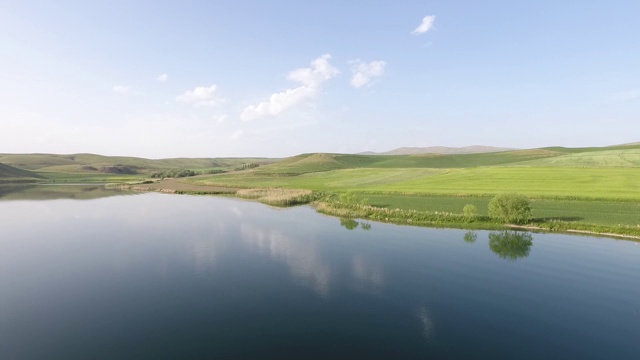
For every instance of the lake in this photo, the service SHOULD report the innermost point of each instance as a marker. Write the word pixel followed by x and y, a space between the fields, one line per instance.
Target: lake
pixel 89 273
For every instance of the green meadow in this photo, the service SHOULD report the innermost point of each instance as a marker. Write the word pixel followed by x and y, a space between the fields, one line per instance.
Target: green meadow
pixel 583 186
pixel 569 188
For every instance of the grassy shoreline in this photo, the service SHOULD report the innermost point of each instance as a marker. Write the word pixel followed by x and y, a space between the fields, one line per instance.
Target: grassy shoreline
pixel 360 208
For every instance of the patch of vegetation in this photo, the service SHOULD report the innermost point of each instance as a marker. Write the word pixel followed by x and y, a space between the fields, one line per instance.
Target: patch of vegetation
pixel 510 208
pixel 174 173
pixel 277 197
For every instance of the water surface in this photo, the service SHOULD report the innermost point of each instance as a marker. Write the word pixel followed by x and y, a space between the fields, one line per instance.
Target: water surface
pixel 158 276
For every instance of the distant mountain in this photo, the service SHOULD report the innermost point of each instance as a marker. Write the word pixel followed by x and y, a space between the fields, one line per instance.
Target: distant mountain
pixel 474 149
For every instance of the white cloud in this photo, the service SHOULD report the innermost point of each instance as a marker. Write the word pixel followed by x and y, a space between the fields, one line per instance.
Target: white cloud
pixel 163 77
pixel 426 25
pixel 120 89
pixel 220 119
pixel 311 79
pixel 200 96
pixel 237 134
pixel 364 72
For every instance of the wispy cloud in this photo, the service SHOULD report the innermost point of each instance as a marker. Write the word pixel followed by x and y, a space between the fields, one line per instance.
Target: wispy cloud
pixel 162 77
pixel 201 96
pixel 120 89
pixel 237 134
pixel 311 80
pixel 627 95
pixel 363 73
pixel 426 25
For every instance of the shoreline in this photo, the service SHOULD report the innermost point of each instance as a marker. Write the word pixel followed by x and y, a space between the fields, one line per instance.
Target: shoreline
pixel 406 217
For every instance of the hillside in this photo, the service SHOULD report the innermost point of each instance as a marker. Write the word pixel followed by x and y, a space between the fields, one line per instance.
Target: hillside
pixel 12 174
pixel 308 163
pixel 474 149
pixel 99 164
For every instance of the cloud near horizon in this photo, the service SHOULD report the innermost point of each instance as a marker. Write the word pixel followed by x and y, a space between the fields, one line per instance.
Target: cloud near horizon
pixel 200 96
pixel 120 89
pixel 311 79
pixel 364 72
pixel 426 25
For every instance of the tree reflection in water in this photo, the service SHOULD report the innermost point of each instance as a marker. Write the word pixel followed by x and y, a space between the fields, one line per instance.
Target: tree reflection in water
pixel 510 245
pixel 350 224
pixel 470 237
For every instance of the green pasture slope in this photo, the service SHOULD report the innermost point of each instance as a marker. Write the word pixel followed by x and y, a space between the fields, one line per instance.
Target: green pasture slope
pixel 591 185
pixel 9 174
pixel 99 168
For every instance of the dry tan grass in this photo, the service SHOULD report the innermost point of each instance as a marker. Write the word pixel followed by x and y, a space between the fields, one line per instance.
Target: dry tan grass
pixel 277 196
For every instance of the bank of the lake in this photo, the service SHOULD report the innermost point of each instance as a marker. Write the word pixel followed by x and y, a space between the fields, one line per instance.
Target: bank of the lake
pixel 606 218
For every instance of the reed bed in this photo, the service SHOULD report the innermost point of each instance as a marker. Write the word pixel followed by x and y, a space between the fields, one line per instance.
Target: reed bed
pixel 277 196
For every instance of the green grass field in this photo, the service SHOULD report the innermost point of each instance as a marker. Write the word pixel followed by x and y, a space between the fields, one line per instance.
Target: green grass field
pixel 593 212
pixel 599 186
pixel 579 183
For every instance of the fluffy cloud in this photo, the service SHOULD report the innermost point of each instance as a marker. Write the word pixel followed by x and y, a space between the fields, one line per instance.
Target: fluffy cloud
pixel 120 89
pixel 426 25
pixel 311 80
pixel 200 96
pixel 364 72
pixel 163 77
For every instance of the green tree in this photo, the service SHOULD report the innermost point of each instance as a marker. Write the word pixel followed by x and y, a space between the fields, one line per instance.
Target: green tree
pixel 510 208
pixel 470 212
pixel 510 245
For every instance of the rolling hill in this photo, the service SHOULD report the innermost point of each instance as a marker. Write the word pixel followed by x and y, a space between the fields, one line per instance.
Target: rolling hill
pixel 100 164
pixel 12 174
pixel 474 149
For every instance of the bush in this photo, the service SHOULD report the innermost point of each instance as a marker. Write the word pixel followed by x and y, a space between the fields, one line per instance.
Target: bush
pixel 510 208
pixel 470 212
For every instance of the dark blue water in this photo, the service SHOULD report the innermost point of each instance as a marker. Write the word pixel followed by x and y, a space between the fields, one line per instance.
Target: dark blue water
pixel 184 277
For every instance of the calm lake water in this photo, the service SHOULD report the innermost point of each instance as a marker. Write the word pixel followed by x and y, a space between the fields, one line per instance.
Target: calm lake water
pixel 156 276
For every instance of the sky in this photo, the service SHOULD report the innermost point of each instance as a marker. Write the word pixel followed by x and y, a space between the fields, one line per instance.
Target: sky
pixel 277 78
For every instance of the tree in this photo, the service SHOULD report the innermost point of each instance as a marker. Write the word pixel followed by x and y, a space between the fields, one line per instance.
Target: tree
pixel 510 208
pixel 470 212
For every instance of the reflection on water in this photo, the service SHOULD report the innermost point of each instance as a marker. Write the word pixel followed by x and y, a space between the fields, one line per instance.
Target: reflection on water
pixel 369 276
pixel 470 237
pixel 511 245
pixel 427 324
pixel 349 224
pixel 170 276
pixel 302 257
pixel 57 191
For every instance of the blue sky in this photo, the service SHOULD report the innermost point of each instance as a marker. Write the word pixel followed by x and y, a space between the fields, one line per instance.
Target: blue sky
pixel 278 78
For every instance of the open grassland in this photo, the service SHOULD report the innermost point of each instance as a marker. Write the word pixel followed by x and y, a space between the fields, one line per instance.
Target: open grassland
pixel 609 213
pixel 552 182
pixel 336 180
pixel 604 158
pixel 9 174
pixel 593 189
pixel 95 164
